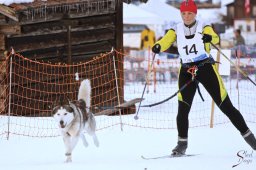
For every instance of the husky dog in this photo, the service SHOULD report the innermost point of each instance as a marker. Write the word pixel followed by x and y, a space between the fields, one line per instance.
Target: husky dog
pixel 74 118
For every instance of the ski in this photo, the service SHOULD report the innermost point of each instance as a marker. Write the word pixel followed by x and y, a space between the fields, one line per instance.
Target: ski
pixel 168 156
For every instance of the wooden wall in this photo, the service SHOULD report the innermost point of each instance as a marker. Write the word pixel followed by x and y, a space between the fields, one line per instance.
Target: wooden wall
pixel 236 10
pixel 45 35
pixel 64 31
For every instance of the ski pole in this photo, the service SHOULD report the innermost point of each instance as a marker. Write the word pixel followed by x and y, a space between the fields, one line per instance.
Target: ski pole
pixel 241 71
pixel 137 113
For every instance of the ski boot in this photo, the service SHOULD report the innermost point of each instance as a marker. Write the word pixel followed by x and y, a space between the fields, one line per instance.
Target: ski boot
pixel 181 147
pixel 250 139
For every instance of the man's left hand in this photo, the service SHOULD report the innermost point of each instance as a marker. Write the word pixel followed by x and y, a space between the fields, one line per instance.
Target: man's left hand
pixel 207 38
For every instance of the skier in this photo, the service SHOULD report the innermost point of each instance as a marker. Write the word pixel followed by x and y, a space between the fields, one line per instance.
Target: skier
pixel 193 40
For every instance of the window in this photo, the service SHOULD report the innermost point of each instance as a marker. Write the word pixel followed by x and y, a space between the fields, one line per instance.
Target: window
pixel 248 28
pixel 254 11
pixel 240 27
pixel 231 12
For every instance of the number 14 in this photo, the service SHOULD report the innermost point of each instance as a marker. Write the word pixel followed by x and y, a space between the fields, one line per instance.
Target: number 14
pixel 191 50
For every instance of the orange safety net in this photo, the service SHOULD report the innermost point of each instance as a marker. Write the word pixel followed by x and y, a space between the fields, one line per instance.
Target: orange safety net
pixel 29 90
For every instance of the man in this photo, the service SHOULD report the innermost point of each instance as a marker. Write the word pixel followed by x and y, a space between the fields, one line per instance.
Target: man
pixel 193 41
pixel 239 39
pixel 147 39
pixel 239 44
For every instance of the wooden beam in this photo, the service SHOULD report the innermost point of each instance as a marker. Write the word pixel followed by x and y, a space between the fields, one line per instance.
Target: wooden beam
pixel 2 41
pixel 10 29
pixel 8 12
pixel 73 30
pixel 119 25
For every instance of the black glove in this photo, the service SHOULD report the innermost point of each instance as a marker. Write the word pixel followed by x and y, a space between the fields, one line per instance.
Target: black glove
pixel 156 48
pixel 207 38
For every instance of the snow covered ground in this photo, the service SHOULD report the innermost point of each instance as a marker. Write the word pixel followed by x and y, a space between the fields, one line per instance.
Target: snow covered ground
pixel 219 148
pixel 121 150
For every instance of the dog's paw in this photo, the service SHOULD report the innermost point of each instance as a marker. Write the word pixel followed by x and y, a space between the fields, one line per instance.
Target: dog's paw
pixel 85 143
pixel 96 142
pixel 68 160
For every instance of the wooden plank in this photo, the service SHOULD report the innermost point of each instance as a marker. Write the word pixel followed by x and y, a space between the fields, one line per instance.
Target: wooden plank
pixel 2 106
pixel 18 7
pixel 121 106
pixel 45 31
pixel 8 12
pixel 59 41
pixel 10 29
pixel 3 91
pixel 2 41
pixel 38 4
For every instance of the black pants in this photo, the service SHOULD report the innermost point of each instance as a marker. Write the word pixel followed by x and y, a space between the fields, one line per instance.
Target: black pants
pixel 208 76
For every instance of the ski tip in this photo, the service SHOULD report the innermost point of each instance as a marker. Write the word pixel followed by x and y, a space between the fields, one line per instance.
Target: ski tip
pixel 142 157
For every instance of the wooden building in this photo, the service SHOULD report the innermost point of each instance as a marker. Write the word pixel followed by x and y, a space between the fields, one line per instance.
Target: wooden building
pixel 64 31
pixel 236 11
pixel 61 30
pixel 200 4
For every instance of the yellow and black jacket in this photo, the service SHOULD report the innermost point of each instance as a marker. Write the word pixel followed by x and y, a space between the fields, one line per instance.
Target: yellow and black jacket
pixel 170 37
pixel 147 39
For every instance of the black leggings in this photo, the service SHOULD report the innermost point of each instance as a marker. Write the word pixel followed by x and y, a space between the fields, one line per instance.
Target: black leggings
pixel 210 79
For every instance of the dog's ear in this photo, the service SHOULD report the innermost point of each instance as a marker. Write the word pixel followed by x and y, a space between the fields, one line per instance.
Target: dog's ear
pixel 55 109
pixel 53 106
pixel 69 108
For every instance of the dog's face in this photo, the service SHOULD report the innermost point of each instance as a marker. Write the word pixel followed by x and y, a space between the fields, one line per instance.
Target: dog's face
pixel 63 115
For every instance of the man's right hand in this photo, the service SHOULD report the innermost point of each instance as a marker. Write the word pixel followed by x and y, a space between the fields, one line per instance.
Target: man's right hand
pixel 156 48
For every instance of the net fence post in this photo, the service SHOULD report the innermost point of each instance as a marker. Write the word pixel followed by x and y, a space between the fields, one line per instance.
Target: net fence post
pixel 10 91
pixel 238 55
pixel 213 104
pixel 117 91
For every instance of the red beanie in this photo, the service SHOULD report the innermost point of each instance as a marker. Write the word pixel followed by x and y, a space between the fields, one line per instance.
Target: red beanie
pixel 188 5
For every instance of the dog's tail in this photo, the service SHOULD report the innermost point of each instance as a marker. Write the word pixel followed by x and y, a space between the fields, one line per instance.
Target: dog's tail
pixel 85 93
